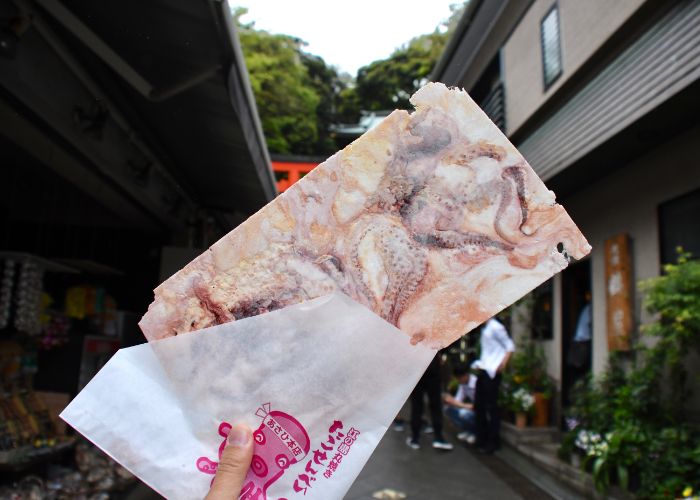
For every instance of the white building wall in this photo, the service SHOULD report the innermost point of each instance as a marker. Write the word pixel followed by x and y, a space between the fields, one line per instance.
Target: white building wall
pixel 626 202
pixel 584 26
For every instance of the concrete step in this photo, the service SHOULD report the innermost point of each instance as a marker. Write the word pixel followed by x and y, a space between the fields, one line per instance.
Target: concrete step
pixel 560 479
pixel 515 435
pixel 523 464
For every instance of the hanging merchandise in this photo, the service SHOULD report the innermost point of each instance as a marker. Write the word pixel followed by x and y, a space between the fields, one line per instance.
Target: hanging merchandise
pixel 94 300
pixel 109 316
pixel 6 283
pixel 10 360
pixel 54 325
pixel 28 298
pixel 55 332
pixel 76 302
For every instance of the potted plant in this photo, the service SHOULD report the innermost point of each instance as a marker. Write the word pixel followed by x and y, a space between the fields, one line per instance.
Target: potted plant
pixel 528 369
pixel 522 402
pixel 543 390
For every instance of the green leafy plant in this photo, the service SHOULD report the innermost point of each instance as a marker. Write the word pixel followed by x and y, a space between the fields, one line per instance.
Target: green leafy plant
pixel 528 368
pixel 636 408
pixel 675 298
pixel 521 400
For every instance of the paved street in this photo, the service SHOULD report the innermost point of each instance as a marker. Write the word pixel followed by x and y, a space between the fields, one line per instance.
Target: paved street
pixel 433 474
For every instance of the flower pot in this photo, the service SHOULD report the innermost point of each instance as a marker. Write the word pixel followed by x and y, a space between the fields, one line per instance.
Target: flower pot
pixel 521 420
pixel 541 415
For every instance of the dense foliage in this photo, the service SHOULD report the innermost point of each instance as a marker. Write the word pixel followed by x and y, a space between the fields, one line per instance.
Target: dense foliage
pixel 299 96
pixel 389 83
pixel 630 424
pixel 287 94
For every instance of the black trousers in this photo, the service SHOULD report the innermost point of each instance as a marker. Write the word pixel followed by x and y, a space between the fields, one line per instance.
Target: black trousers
pixel 488 415
pixel 431 387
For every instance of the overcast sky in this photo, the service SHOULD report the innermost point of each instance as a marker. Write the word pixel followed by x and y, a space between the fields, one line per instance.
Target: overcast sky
pixel 348 34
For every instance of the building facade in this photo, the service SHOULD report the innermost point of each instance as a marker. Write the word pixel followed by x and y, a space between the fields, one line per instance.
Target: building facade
pixel 602 100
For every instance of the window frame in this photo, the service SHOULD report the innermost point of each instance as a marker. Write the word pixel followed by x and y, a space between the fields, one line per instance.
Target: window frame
pixel 547 85
pixel 666 255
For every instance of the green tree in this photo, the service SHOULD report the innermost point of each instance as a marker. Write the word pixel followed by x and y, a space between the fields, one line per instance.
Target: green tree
pixel 674 297
pixel 286 100
pixel 299 96
pixel 296 93
pixel 389 83
pixel 328 87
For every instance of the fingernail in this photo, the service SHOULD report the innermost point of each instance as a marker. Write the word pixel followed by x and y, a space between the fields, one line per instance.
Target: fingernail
pixel 238 436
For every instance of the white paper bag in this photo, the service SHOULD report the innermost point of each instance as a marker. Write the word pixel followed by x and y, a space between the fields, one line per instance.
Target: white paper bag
pixel 319 382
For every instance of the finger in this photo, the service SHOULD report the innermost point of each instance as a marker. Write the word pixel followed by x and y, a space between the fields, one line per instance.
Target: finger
pixel 234 464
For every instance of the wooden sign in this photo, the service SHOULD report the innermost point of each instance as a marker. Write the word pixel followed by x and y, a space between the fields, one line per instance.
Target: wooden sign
pixel 618 292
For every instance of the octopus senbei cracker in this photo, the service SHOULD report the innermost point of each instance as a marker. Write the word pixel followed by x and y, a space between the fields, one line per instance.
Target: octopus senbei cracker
pixel 433 220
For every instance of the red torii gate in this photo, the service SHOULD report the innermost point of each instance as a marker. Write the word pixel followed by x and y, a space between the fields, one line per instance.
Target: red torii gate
pixel 289 171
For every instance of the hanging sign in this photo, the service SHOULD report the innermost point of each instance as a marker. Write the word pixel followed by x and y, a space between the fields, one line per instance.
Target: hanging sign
pixel 618 292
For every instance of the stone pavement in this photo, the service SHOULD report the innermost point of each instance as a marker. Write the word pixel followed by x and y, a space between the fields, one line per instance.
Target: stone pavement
pixel 433 474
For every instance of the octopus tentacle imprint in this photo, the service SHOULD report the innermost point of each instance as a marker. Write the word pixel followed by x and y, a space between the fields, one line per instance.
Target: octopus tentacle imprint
pixel 509 209
pixel 517 174
pixel 407 270
pixel 433 220
pixel 217 310
pixel 357 269
pixel 254 306
pixel 454 239
pixel 334 268
pixel 481 149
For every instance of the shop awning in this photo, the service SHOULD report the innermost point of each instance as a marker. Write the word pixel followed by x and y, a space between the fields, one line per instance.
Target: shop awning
pixel 152 98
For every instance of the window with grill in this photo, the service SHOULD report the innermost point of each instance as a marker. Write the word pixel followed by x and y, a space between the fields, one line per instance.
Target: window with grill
pixel 551 47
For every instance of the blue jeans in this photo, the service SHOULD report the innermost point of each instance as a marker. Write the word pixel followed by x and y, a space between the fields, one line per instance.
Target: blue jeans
pixel 464 419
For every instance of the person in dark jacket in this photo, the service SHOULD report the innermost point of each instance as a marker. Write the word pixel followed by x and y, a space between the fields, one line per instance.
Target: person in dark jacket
pixel 430 384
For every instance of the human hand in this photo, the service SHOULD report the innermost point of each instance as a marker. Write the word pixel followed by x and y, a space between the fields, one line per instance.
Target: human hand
pixel 233 465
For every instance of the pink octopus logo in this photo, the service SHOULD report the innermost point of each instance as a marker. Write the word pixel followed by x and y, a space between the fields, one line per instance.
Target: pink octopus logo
pixel 280 441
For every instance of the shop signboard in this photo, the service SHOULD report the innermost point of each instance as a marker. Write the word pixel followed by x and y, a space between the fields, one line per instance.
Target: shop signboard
pixel 618 292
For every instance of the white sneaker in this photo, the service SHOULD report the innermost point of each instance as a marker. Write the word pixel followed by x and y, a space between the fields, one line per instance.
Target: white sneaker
pixel 442 445
pixel 467 437
pixel 415 445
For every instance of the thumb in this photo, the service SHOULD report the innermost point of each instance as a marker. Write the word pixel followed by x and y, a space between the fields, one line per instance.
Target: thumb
pixel 234 464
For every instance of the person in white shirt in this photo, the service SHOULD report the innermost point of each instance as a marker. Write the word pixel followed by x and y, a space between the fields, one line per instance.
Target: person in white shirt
pixel 496 350
pixel 460 407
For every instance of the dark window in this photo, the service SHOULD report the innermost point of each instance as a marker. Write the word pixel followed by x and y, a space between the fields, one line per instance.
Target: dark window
pixel 551 47
pixel 489 94
pixel 679 226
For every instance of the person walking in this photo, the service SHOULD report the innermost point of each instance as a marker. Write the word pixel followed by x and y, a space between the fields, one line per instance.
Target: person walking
pixel 431 384
pixel 496 348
